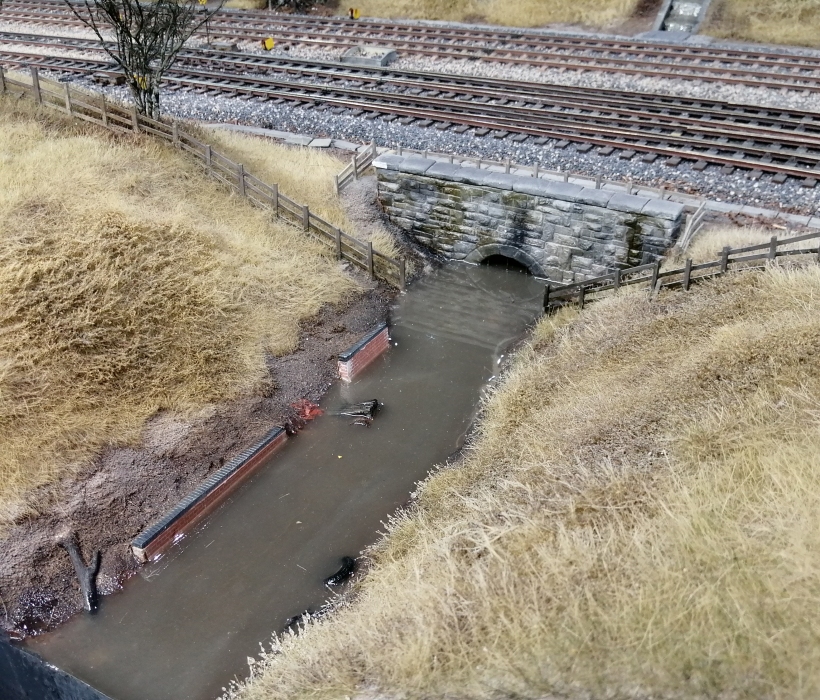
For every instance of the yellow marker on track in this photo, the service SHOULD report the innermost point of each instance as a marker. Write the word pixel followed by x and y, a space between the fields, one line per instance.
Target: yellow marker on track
pixel 268 43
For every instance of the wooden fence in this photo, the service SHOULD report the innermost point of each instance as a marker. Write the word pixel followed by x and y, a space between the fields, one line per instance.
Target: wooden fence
pixel 120 119
pixel 655 278
pixel 358 164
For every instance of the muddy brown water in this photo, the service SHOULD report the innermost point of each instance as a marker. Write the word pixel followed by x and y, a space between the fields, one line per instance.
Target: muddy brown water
pixel 185 626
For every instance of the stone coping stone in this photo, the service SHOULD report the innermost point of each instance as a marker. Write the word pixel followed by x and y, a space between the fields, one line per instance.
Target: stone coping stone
pixel 142 540
pixel 320 143
pixel 351 351
pixel 526 184
pixel 627 203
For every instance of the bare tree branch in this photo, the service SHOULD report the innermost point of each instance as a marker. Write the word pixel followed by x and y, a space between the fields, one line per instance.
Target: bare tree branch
pixel 148 36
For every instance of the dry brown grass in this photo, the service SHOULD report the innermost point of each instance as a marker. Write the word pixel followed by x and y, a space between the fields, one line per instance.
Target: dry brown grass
pixel 130 283
pixel 521 13
pixel 639 517
pixel 305 174
pixel 769 21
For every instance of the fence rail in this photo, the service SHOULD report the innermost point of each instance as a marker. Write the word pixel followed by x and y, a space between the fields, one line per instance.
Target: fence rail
pixel 356 167
pixel 120 120
pixel 655 278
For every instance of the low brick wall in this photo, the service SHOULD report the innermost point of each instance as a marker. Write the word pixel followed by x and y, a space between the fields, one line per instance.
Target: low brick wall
pixel 355 359
pixel 558 230
pixel 200 503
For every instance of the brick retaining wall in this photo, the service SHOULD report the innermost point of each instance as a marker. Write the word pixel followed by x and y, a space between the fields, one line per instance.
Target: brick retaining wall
pixel 355 359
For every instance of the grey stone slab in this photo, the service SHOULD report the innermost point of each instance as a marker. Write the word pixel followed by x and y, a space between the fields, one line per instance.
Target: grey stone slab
pixel 472 176
pixel 416 165
pixel 663 209
pixel 757 211
pixel 628 203
pixel 447 171
pixel 502 181
pixel 547 188
pixel 345 145
pixel 593 197
pixel 723 207
pixel 298 140
pixel 815 222
pixel 388 162
pixel 320 143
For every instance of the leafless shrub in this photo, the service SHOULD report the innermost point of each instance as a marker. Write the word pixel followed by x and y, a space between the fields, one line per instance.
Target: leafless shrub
pixel 148 37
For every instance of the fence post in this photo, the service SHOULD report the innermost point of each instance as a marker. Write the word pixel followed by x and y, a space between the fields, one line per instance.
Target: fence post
pixel 535 171
pixel 546 298
pixel 208 156
pixel 240 174
pixel 566 176
pixel 336 183
pixel 68 107
pixel 338 235
pixel 773 248
pixel 2 81
pixel 135 119
pixel 402 274
pixel 398 148
pixel 687 274
pixel 370 259
pixel 104 112
pixel 581 294
pixel 306 217
pixel 598 182
pixel 175 134
pixel 478 165
pixel 35 85
pixel 616 278
pixel 629 188
pixel 373 147
pixel 275 199
pixel 724 259
pixel 507 165
pixel 656 270
pixel 355 172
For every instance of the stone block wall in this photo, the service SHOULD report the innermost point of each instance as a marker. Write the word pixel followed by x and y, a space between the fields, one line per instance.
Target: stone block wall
pixel 560 231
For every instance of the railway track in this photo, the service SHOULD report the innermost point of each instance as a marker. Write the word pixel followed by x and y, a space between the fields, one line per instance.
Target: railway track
pixel 759 68
pixel 783 142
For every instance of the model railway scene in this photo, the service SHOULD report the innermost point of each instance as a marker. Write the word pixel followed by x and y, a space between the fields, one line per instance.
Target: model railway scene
pixel 425 349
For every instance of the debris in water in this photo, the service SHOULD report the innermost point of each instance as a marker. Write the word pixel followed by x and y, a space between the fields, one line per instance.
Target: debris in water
pixel 348 564
pixel 307 410
pixel 366 409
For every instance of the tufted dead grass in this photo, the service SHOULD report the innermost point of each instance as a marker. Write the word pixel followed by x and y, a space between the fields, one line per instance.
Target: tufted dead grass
pixel 639 516
pixel 521 13
pixel 130 283
pixel 306 174
pixel 768 21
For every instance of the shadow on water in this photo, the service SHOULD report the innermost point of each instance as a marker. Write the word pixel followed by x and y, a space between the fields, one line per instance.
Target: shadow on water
pixel 184 627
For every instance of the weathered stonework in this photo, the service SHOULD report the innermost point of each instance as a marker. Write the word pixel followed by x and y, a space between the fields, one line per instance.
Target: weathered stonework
pixel 560 231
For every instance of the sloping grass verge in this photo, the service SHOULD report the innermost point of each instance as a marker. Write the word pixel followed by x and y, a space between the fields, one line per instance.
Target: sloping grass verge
pixel 131 283
pixel 639 516
pixel 792 22
pixel 522 13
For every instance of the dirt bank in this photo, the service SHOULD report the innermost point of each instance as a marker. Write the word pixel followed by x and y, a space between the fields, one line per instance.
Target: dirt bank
pixel 126 488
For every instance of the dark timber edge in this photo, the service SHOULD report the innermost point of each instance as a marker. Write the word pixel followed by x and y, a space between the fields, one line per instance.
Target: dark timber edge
pixel 351 351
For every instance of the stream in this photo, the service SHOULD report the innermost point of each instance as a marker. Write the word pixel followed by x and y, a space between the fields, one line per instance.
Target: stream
pixel 185 626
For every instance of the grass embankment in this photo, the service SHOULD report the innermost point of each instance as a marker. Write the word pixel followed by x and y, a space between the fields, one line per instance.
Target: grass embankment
pixel 305 173
pixel 130 283
pixel 522 13
pixel 639 516
pixel 793 22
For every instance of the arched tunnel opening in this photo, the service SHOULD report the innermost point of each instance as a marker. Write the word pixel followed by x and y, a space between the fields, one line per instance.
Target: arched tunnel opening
pixel 507 263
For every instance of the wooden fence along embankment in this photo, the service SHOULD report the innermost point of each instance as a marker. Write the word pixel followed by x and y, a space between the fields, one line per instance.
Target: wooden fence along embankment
pixel 356 167
pixel 655 278
pixel 120 119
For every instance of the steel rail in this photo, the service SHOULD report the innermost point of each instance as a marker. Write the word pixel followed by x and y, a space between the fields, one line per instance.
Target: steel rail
pixel 760 62
pixel 660 107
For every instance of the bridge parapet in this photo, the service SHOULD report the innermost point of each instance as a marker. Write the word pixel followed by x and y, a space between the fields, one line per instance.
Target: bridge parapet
pixel 558 230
